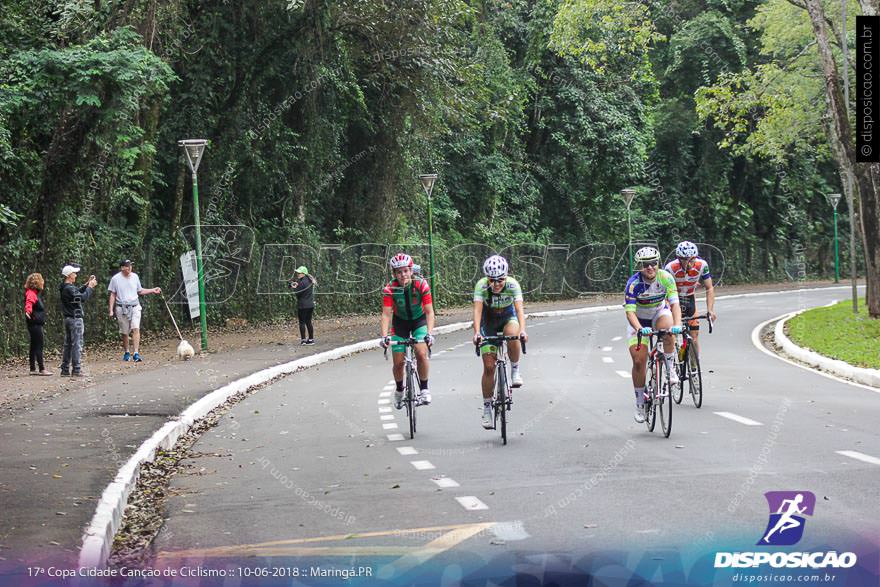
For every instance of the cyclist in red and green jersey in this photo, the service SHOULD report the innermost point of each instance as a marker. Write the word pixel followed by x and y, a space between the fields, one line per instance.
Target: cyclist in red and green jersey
pixel 407 310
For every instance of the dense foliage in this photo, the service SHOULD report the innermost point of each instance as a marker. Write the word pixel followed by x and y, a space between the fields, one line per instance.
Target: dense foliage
pixel 320 113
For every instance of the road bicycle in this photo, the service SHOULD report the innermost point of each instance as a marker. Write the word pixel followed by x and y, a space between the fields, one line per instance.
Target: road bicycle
pixel 410 380
pixel 688 364
pixel 502 399
pixel 658 388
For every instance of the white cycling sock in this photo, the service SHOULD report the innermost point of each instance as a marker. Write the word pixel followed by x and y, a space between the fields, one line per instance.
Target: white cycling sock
pixel 514 366
pixel 640 396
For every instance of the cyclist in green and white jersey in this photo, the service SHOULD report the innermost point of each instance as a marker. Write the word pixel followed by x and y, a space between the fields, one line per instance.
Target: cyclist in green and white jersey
pixel 498 307
pixel 651 302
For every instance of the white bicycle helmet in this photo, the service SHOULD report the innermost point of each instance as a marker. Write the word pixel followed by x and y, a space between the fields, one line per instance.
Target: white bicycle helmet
pixel 686 250
pixel 400 260
pixel 647 254
pixel 495 267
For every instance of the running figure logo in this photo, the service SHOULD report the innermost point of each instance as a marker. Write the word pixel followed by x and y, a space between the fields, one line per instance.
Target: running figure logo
pixel 787 508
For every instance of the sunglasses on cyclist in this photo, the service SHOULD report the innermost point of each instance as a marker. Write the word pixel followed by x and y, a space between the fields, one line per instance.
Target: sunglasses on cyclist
pixel 646 264
pixel 497 279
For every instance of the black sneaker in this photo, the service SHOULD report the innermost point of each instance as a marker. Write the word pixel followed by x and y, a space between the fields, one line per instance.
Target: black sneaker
pixel 303 342
pixel 65 374
pixel 310 341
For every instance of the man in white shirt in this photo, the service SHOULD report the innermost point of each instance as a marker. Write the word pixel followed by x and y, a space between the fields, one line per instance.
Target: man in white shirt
pixel 124 288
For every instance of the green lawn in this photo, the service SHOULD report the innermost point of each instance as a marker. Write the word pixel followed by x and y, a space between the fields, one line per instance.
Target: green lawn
pixel 835 332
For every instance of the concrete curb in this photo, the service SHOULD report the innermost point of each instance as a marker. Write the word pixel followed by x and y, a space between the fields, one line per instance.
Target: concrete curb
pixel 861 375
pixel 98 537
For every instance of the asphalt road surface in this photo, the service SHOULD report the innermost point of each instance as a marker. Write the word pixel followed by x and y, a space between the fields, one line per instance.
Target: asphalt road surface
pixel 320 467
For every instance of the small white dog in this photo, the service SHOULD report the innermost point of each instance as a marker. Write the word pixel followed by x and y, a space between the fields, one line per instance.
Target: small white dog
pixel 185 351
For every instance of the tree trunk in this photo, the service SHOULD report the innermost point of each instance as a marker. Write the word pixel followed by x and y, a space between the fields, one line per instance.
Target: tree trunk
pixel 843 149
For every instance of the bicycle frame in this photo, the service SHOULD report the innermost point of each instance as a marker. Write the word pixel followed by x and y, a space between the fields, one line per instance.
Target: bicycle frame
pixel 502 396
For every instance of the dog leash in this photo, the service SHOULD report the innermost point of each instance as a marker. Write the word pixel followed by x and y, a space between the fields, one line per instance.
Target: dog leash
pixel 173 321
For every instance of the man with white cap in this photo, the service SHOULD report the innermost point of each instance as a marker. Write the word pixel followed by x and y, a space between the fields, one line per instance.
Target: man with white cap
pixel 124 288
pixel 72 298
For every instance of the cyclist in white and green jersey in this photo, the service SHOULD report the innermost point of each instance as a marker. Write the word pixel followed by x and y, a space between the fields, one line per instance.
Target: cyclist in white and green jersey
pixel 651 302
pixel 498 307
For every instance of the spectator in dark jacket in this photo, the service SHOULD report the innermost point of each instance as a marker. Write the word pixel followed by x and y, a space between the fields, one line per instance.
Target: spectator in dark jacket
pixel 72 298
pixel 303 285
pixel 35 317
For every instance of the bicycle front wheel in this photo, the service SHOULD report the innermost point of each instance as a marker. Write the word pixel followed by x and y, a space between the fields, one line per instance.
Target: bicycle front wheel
pixel 411 402
pixel 664 398
pixel 650 402
pixel 695 381
pixel 678 392
pixel 501 400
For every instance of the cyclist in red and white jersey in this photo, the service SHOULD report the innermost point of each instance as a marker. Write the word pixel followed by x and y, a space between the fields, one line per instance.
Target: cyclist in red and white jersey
pixel 690 271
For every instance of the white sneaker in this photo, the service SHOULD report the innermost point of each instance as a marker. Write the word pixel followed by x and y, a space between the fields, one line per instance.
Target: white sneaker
pixel 398 400
pixel 424 397
pixel 640 414
pixel 516 378
pixel 487 417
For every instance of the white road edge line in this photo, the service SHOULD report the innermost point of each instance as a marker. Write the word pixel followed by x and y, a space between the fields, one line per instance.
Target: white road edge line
pixel 737 418
pixel 859 456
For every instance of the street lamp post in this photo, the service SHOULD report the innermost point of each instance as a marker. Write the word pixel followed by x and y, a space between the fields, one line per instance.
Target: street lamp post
pixel 628 194
pixel 193 148
pixel 428 180
pixel 844 45
pixel 834 199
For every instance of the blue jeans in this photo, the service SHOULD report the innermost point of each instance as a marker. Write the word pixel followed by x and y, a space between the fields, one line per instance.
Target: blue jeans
pixel 73 343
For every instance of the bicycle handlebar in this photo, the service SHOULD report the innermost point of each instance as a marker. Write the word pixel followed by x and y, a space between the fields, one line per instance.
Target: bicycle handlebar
pixel 499 338
pixel 409 342
pixel 660 332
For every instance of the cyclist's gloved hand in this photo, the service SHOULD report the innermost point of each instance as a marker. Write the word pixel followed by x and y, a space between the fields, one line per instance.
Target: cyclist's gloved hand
pixel 385 342
pixel 429 339
pixel 646 331
pixel 478 338
pixel 676 330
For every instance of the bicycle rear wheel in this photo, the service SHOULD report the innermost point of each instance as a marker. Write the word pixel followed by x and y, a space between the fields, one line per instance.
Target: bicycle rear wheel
pixel 695 381
pixel 664 398
pixel 501 400
pixel 411 402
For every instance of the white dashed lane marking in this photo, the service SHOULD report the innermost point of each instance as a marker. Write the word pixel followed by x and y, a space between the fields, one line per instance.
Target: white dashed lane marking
pixel 407 450
pixel 445 482
pixel 607 360
pixel 859 456
pixel 606 349
pixel 385 394
pixel 469 502
pixel 740 419
pixel 616 338
pixel 384 410
pixel 386 417
pixel 624 374
pixel 395 437
pixel 422 465
pixel 390 426
pixel 383 401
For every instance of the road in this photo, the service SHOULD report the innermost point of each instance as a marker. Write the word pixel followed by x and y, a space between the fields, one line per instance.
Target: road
pixel 316 467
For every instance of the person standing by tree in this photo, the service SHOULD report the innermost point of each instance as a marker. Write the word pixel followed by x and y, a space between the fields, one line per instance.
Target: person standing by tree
pixel 35 317
pixel 72 298
pixel 124 288
pixel 303 285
